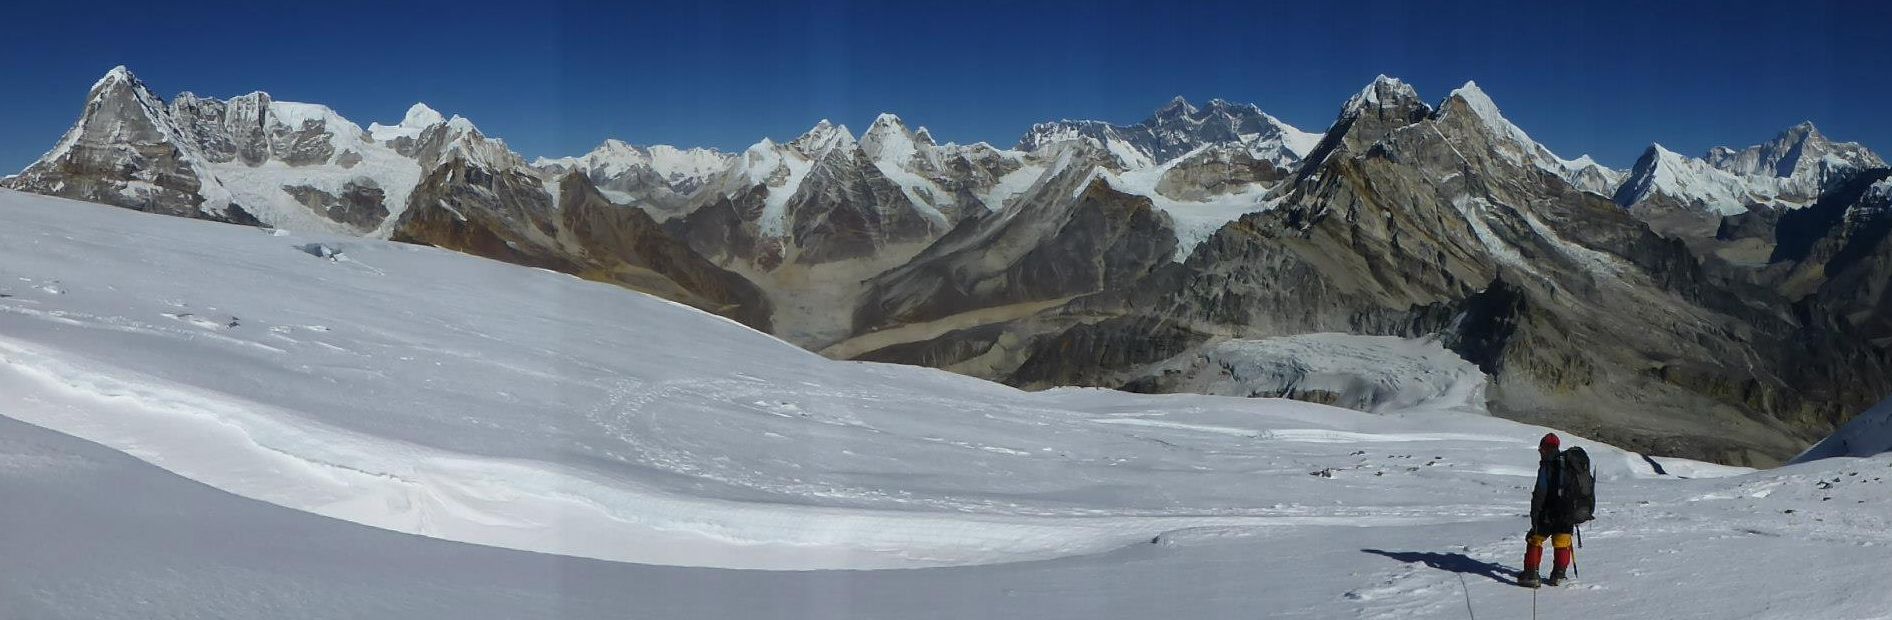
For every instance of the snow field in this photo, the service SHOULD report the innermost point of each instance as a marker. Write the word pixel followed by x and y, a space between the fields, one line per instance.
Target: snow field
pixel 463 400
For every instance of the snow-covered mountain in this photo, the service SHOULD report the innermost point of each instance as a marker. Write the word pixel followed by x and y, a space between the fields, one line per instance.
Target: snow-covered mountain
pixel 1588 175
pixel 662 179
pixel 249 159
pixel 1801 155
pixel 1688 196
pixel 417 119
pixel 1179 128
pixel 173 443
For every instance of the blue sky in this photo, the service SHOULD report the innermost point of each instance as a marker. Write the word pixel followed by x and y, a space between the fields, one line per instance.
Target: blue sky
pixel 556 78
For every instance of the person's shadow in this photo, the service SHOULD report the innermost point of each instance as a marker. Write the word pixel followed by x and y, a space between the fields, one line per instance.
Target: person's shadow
pixel 1455 562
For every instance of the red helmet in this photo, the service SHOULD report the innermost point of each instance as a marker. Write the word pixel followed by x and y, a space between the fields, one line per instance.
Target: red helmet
pixel 1549 441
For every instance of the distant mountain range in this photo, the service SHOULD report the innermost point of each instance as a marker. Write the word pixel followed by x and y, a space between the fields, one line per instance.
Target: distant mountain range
pixel 1734 306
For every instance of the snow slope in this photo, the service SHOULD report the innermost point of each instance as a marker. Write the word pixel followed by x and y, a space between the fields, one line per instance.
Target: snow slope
pixel 1193 220
pixel 1867 434
pixel 430 393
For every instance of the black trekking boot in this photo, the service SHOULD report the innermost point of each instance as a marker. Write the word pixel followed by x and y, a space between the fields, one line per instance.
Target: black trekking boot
pixel 1556 577
pixel 1528 579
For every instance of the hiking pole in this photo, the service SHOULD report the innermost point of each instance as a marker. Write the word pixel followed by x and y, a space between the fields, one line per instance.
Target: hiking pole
pixel 1573 552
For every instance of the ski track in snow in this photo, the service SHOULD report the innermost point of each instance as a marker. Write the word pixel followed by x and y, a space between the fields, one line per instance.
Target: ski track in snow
pixel 419 391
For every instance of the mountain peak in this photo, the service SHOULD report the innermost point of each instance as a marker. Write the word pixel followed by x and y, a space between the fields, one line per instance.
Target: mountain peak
pixel 419 116
pixel 824 135
pixel 1479 102
pixel 119 73
pixel 1224 106
pixel 1798 152
pixel 613 145
pixel 888 131
pixel 1381 93
pixel 1470 90
pixel 1657 154
pixel 885 126
pixel 1177 105
pixel 463 125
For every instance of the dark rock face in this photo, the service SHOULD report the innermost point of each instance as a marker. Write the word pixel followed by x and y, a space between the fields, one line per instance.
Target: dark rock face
pixel 848 209
pixel 723 231
pixel 509 216
pixel 1757 224
pixel 466 208
pixel 943 352
pixel 1671 217
pixel 1845 215
pixel 1117 343
pixel 1217 171
pixel 1837 256
pixel 361 205
pixel 630 247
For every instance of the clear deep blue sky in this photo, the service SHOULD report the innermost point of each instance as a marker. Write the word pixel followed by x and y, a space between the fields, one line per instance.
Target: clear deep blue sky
pixel 556 78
